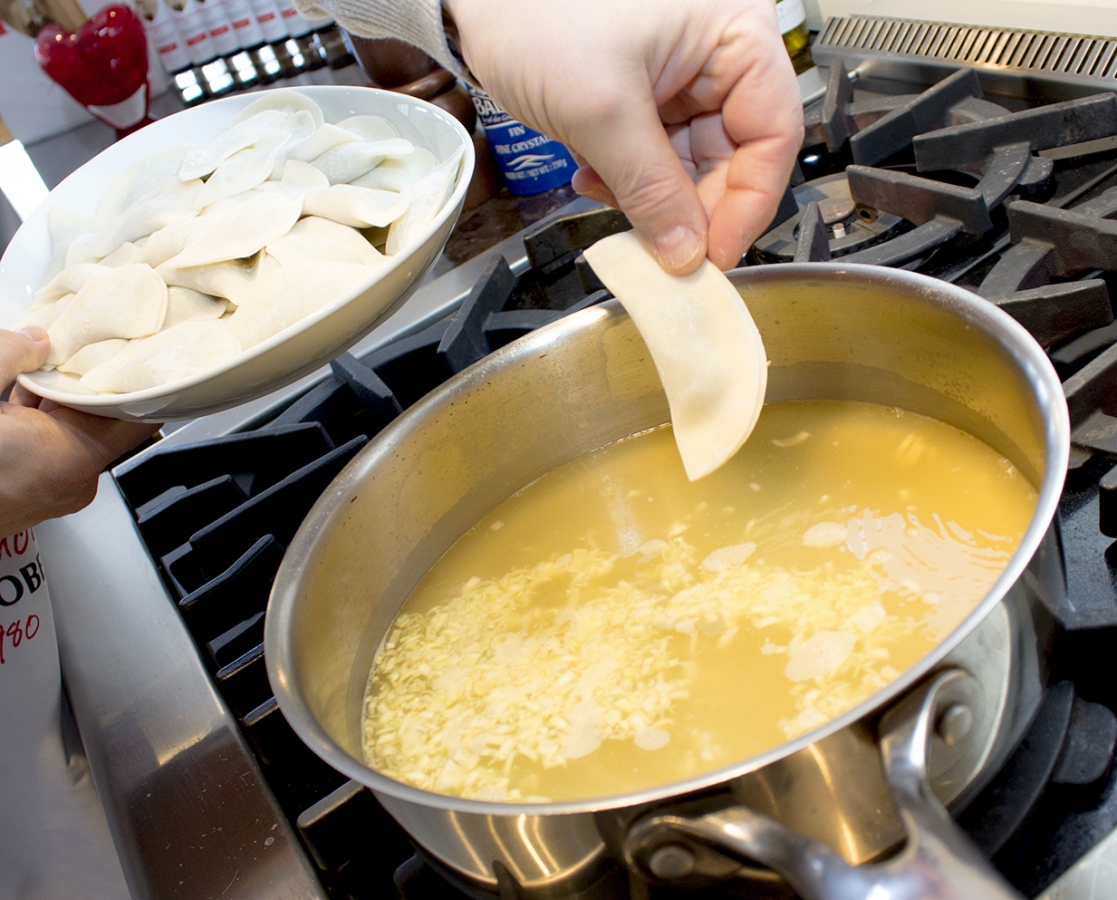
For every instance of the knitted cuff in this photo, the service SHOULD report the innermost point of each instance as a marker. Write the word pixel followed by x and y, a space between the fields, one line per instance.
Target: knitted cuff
pixel 418 22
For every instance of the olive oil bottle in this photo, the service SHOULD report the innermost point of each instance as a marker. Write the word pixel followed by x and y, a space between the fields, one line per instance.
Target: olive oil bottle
pixel 796 36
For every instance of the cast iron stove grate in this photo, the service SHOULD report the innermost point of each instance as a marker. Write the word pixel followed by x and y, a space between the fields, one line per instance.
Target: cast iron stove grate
pixel 217 515
pixel 919 180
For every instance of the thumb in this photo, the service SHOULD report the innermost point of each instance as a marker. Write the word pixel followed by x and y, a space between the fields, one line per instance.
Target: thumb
pixel 632 155
pixel 21 351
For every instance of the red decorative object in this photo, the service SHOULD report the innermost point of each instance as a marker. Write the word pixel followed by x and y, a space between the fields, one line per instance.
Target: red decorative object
pixel 103 65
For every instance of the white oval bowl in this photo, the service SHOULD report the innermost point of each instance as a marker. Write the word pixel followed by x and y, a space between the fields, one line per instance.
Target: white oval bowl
pixel 299 348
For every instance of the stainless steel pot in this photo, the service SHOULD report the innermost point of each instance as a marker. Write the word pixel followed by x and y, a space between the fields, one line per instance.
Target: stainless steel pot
pixel 843 795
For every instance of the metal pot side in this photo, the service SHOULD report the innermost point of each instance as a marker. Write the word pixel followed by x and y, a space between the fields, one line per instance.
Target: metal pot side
pixel 831 332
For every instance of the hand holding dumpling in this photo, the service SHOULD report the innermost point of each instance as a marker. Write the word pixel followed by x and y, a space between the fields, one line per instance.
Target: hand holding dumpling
pixel 686 116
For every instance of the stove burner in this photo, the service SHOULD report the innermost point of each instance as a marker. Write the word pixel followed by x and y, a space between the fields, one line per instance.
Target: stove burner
pixel 847 226
pixel 875 130
pixel 814 236
pixel 836 211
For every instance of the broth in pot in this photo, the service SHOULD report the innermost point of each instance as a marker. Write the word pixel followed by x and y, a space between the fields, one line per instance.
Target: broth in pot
pixel 613 626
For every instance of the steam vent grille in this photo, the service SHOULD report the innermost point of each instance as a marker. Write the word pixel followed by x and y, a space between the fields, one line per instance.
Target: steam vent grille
pixel 1068 58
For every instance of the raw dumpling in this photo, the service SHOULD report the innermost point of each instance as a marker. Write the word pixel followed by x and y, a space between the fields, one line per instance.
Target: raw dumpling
pixel 173 202
pixel 346 162
pixel 425 199
pixel 69 281
pixel 141 180
pixel 179 352
pixel 397 173
pixel 92 355
pixel 267 263
pixel 65 227
pixel 126 302
pixel 224 206
pixel 312 146
pixel 198 162
pixel 187 305
pixel 705 346
pixel 354 206
pixel 171 240
pixel 46 314
pixel 81 250
pixel 124 254
pixel 242 231
pixel 232 279
pixel 298 179
pixel 252 325
pixel 303 289
pixel 319 240
pixel 201 161
pixel 244 169
pixel 370 128
pixel 289 102
pixel 287 295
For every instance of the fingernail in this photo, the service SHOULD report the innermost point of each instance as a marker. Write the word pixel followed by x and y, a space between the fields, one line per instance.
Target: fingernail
pixel 679 249
pixel 37 334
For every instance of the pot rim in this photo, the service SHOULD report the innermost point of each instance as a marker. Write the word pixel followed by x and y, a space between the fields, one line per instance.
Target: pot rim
pixel 983 314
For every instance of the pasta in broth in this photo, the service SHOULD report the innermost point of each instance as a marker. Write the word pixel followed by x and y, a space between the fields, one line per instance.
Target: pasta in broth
pixel 614 626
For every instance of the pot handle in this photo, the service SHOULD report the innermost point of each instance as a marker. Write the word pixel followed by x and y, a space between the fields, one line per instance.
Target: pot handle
pixel 938 861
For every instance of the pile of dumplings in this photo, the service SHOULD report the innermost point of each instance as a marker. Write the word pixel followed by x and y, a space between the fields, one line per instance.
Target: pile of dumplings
pixel 199 253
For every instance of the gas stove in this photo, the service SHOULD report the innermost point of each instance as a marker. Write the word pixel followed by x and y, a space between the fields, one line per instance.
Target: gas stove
pixel 979 156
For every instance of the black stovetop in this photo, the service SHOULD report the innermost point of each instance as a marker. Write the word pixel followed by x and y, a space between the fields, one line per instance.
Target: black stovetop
pixel 1030 232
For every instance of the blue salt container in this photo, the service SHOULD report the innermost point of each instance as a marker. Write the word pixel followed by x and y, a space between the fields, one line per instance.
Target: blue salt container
pixel 530 162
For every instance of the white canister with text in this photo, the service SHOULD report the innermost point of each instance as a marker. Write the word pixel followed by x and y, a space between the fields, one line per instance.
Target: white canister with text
pixel 30 694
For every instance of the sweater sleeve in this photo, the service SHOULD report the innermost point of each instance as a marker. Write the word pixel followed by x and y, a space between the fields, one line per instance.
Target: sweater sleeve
pixel 418 22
